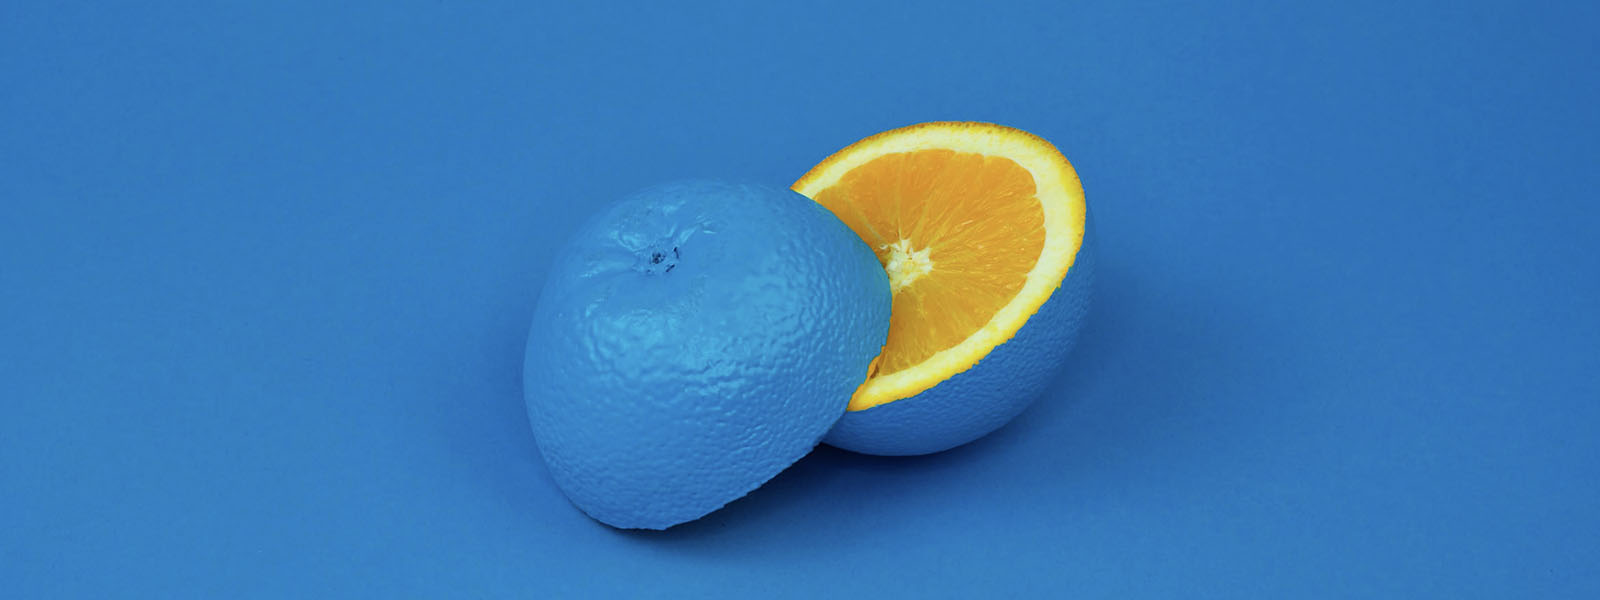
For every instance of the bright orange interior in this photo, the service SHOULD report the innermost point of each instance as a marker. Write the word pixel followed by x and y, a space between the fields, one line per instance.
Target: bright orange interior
pixel 958 234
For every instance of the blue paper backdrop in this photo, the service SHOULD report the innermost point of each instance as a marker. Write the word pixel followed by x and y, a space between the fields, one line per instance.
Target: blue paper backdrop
pixel 265 273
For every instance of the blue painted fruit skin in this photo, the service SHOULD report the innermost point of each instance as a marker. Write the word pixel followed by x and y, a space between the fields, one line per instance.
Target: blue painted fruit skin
pixel 694 340
pixel 977 401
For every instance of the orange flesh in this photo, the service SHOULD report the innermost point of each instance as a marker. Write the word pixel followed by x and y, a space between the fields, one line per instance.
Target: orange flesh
pixel 958 234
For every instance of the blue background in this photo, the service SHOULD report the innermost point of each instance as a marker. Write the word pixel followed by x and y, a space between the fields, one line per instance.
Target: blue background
pixel 265 275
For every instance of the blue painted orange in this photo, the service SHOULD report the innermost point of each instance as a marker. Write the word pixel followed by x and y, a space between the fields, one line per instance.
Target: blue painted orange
pixel 984 232
pixel 694 340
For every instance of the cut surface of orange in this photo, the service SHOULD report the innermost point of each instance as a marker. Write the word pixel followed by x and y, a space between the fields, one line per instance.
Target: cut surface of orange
pixel 976 225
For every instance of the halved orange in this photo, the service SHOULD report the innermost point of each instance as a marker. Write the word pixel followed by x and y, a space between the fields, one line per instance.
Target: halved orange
pixel 979 227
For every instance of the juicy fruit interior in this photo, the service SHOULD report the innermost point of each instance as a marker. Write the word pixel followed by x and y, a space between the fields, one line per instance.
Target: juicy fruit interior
pixel 958 234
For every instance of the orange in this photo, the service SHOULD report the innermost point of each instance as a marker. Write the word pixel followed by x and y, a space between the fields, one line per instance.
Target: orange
pixel 692 341
pixel 982 230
